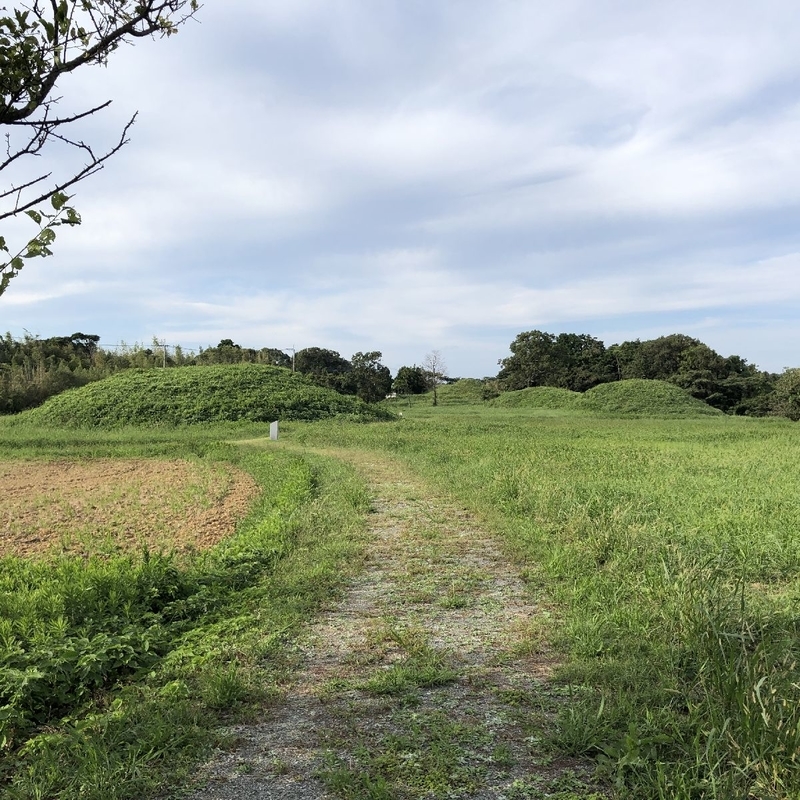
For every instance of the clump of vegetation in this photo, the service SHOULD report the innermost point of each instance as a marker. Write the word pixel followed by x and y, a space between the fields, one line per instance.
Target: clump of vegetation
pixel 644 398
pixel 786 401
pixel 224 393
pixel 549 397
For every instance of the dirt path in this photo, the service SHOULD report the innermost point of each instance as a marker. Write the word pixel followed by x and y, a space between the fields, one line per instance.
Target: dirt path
pixel 419 683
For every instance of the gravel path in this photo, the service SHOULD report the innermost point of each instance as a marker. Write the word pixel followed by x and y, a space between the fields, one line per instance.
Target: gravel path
pixel 420 683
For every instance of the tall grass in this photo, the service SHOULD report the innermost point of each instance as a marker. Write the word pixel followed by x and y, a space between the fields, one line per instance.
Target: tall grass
pixel 671 550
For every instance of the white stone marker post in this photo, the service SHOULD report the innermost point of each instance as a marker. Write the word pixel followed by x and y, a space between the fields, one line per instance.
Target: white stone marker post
pixel 273 431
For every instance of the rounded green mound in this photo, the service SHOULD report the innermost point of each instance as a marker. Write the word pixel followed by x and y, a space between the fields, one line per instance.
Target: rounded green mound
pixel 549 397
pixel 466 391
pixel 644 398
pixel 191 395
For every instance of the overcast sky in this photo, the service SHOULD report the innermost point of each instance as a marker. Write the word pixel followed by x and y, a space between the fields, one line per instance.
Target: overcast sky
pixel 431 174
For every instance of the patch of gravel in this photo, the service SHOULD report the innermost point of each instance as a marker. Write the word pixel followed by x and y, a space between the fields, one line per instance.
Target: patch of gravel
pixel 435 580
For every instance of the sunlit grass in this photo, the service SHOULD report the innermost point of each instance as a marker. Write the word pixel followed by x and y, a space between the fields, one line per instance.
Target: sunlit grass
pixel 670 551
pixel 667 552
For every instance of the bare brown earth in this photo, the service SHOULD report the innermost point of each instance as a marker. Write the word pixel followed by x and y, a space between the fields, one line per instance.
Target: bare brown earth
pixel 436 589
pixel 107 505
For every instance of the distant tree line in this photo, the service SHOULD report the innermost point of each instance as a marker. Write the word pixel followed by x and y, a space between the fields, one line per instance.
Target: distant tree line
pixel 33 369
pixel 579 362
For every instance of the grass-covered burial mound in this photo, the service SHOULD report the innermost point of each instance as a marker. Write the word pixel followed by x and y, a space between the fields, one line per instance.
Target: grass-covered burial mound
pixel 190 395
pixel 467 391
pixel 549 397
pixel 644 398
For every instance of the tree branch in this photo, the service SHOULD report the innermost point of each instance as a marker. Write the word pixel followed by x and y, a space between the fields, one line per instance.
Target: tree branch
pixel 95 164
pixel 39 43
pixel 149 18
pixel 17 189
pixel 60 120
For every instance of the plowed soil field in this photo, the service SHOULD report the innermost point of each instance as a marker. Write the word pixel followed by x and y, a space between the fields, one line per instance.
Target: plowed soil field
pixel 110 505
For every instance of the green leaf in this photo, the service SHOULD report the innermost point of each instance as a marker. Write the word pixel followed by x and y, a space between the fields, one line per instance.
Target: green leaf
pixel 73 217
pixel 58 200
pixel 35 216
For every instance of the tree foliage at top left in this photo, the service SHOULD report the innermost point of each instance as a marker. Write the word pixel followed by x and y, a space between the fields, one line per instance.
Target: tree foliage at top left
pixel 41 41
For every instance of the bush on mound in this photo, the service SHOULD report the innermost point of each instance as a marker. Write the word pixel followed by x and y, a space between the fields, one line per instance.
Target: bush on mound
pixel 645 398
pixel 549 397
pixel 189 395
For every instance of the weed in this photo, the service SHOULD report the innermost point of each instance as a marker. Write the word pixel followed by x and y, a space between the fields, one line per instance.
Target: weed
pixel 223 687
pixel 423 667
pixel 455 598
pixel 427 759
pixel 502 756
pixel 279 767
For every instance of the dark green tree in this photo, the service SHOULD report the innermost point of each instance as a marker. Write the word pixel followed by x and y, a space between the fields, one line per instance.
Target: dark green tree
pixel 569 360
pixel 372 380
pixel 623 358
pixel 271 355
pixel 33 369
pixel 326 368
pixel 579 362
pixel 730 384
pixel 786 397
pixel 40 42
pixel 654 359
pixel 530 362
pixel 228 352
pixel 410 380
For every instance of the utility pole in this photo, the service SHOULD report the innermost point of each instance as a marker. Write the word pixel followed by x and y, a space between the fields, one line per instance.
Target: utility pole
pixel 163 345
pixel 293 352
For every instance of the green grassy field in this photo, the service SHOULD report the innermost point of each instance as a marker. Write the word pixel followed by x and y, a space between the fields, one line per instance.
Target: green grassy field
pixel 670 549
pixel 667 550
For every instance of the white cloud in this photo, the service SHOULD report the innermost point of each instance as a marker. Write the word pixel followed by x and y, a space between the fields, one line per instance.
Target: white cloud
pixel 408 175
pixel 413 301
